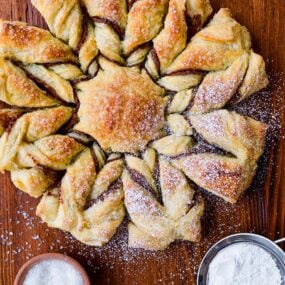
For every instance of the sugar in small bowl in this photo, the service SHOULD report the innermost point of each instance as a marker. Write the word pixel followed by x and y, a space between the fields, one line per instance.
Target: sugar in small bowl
pixel 243 259
pixel 52 269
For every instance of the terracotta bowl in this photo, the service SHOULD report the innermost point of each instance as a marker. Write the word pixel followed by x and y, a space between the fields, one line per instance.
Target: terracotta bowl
pixel 29 264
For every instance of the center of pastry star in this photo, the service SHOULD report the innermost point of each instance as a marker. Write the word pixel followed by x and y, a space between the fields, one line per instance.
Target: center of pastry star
pixel 122 108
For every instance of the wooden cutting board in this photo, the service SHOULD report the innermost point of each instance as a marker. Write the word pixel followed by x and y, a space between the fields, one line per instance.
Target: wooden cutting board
pixel 261 210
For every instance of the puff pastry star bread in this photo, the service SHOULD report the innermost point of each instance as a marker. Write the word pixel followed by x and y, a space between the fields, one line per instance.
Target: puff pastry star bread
pixel 120 111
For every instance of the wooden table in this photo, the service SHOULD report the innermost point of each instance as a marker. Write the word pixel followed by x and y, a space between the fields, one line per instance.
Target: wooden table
pixel 261 210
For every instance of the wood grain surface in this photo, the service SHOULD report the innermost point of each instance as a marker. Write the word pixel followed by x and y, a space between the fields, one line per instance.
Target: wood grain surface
pixel 261 210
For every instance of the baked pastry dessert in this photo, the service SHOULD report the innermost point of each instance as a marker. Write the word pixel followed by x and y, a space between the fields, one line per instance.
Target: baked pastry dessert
pixel 122 109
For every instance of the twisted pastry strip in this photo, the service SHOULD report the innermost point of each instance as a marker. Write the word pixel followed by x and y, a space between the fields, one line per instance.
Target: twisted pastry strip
pixel 225 176
pixel 93 220
pixel 55 152
pixel 55 84
pixel 104 210
pixel 244 77
pixel 44 66
pixel 68 200
pixel 173 37
pixel 175 220
pixel 219 87
pixel 215 47
pixel 242 136
pixel 28 128
pixel 145 20
pixel 7 118
pixel 33 181
pixel 18 90
pixel 170 41
pixel 29 44
pixel 222 47
pixel 66 20
pixel 110 17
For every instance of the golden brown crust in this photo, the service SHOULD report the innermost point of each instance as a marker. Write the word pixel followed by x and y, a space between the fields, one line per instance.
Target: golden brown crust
pixel 46 122
pixel 112 10
pixel 126 106
pixel 29 44
pixel 155 225
pixel 73 192
pixel 255 78
pixel 55 152
pixel 217 88
pixel 242 136
pixel 64 19
pixel 172 39
pixel 144 22
pixel 18 90
pixel 227 177
pixel 33 181
pixel 215 47
pixel 224 176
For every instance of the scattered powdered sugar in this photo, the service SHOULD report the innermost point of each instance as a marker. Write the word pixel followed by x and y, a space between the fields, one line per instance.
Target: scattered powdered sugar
pixel 243 263
pixel 53 272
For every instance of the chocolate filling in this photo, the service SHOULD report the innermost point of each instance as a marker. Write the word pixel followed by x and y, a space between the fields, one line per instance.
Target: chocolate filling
pixel 82 78
pixel 186 72
pixel 113 187
pixel 131 3
pixel 204 146
pixel 83 35
pixel 113 159
pixel 44 86
pixel 74 117
pixel 142 46
pixel 85 141
pixel 47 65
pixel 141 180
pixel 194 24
pixel 235 98
pixel 155 59
pixel 156 175
pixel 46 170
pixel 8 123
pixel 112 24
